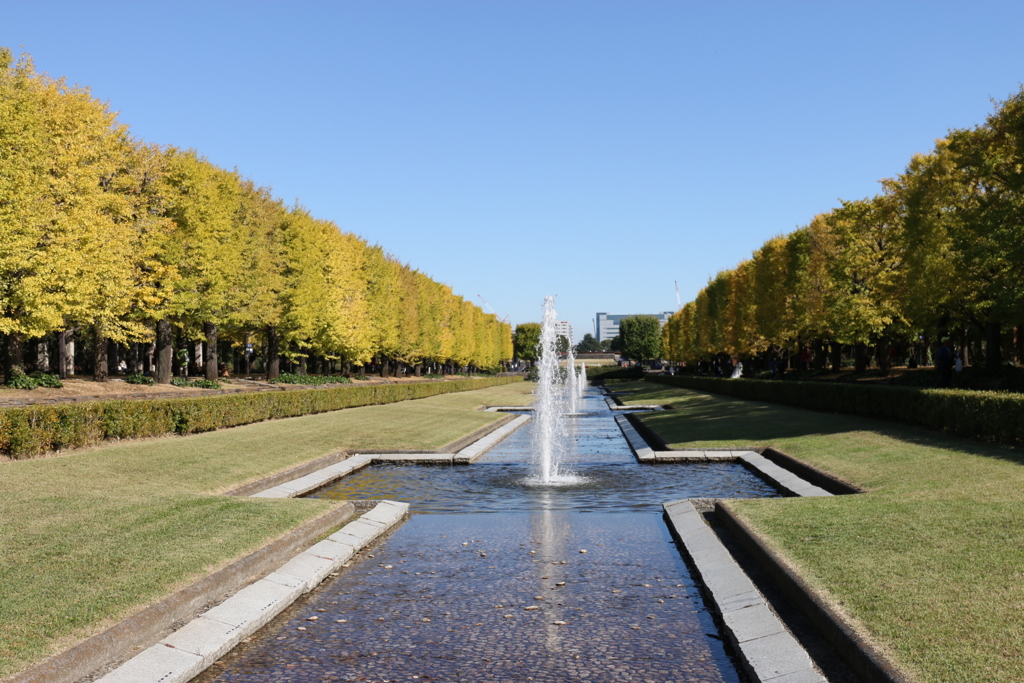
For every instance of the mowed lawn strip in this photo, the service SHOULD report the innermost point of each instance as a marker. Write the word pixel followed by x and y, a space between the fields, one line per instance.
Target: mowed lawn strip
pixel 929 563
pixel 91 536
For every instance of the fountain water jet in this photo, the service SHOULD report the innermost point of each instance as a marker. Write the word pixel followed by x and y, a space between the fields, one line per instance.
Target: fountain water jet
pixel 549 430
pixel 572 389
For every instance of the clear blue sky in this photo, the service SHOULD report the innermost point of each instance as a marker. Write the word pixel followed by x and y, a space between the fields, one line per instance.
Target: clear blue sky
pixel 595 150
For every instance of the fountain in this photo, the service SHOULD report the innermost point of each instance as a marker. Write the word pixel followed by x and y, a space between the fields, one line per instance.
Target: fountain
pixel 572 389
pixel 549 431
pixel 582 382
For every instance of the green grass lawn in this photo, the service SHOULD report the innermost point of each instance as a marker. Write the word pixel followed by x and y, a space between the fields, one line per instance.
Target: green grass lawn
pixel 91 536
pixel 929 562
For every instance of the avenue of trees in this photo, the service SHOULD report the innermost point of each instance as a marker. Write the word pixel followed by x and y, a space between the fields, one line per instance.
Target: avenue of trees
pixel 153 254
pixel 939 251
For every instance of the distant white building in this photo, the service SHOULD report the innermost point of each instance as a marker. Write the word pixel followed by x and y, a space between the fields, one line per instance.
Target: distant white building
pixel 606 325
pixel 563 328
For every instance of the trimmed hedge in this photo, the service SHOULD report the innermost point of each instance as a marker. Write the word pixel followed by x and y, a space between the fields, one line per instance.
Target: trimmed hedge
pixel 984 415
pixel 603 372
pixel 37 429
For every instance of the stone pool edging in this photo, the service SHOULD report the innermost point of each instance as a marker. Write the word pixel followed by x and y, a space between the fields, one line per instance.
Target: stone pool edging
pixel 120 641
pixel 327 475
pixel 760 465
pixel 768 651
pixel 799 479
pixel 190 650
pixel 665 453
pixel 289 474
pixel 321 463
pixel 193 648
pixel 859 653
pixel 615 404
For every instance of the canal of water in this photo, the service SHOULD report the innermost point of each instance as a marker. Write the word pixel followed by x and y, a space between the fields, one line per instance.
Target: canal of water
pixel 492 579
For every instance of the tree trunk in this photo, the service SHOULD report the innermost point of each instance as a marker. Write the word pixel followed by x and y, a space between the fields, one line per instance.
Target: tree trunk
pixel 303 366
pixel 860 358
pixel 835 356
pixel 819 354
pixel 964 345
pixel 100 349
pixel 14 359
pixel 993 346
pixel 210 330
pixel 62 353
pixel 195 358
pixel 385 368
pixel 114 356
pixel 884 357
pixel 418 369
pixel 43 355
pixel 164 352
pixel 70 354
pixel 273 354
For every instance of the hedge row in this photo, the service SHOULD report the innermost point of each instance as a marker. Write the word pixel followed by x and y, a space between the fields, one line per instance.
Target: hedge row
pixel 984 415
pixel 33 430
pixel 603 372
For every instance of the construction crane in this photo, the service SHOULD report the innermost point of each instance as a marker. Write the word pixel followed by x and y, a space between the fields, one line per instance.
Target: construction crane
pixel 491 309
pixel 679 301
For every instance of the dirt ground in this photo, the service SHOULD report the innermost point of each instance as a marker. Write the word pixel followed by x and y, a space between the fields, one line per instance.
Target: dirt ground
pixel 79 389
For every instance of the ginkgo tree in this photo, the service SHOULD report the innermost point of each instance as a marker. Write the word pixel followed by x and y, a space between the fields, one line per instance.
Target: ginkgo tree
pixel 131 242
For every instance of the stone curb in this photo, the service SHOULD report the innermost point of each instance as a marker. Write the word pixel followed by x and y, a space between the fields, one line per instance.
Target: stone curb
pixel 474 451
pixel 814 476
pixel 641 450
pixel 317 479
pixel 188 651
pixel 469 439
pixel 613 405
pixel 769 652
pixel 466 456
pixel 120 641
pixel 324 476
pixel 288 475
pixel 860 655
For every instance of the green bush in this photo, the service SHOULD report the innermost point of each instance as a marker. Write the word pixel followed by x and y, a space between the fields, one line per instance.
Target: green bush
pixel 191 383
pixel 139 379
pixel 312 380
pixel 19 380
pixel 33 430
pixel 603 372
pixel 986 415
pixel 45 379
